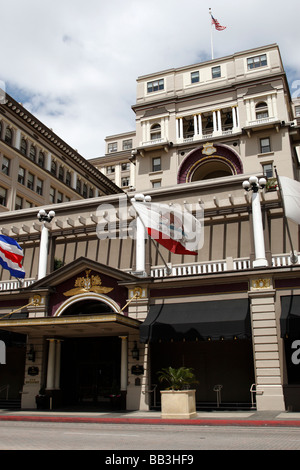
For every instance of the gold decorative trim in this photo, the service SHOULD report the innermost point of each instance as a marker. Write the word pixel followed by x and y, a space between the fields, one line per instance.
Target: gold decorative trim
pixel 208 148
pixel 88 284
pixel 261 283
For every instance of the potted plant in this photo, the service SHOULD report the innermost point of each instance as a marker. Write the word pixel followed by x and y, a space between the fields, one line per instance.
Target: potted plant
pixel 178 400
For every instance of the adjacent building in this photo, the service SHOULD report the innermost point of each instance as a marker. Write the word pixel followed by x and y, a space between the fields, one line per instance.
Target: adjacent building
pixel 99 328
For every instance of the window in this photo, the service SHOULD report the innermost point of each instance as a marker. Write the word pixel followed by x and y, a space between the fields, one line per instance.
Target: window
pixel 61 173
pixel 156 85
pixel 125 166
pixel 68 178
pixel 156 164
pixel 91 192
pixel 18 203
pixel 8 136
pixel 84 190
pixel 110 170
pixel 59 197
pixel 268 170
pixel 53 167
pixel 127 144
pixel 21 175
pixel 261 110
pixel 112 147
pixel 52 194
pixel 3 196
pixel 297 111
pixel 155 132
pixel 195 77
pixel 265 145
pixel 216 72
pixel 5 165
pixel 156 184
pixel 32 153
pixel 78 186
pixel 28 204
pixel 23 146
pixel 125 181
pixel 41 160
pixel 258 61
pixel 39 187
pixel 30 181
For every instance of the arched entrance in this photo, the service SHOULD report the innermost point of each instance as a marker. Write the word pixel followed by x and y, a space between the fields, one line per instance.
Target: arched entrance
pixel 208 162
pixel 90 356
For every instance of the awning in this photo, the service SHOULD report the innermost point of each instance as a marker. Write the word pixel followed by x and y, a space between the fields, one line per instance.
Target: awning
pixel 215 320
pixel 111 324
pixel 290 316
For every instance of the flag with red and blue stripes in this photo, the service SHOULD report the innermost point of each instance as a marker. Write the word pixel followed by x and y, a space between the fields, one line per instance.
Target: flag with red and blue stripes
pixel 11 256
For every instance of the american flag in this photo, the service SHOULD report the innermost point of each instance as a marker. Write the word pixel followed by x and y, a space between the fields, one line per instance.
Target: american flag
pixel 217 24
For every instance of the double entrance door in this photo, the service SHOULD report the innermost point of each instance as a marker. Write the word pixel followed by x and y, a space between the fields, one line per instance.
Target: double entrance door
pixel 90 372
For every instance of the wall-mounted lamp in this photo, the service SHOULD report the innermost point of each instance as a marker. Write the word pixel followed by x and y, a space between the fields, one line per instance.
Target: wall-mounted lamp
pixel 135 352
pixel 31 354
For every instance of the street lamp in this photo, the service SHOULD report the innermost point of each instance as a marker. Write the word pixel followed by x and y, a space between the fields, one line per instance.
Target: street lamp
pixel 44 217
pixel 254 184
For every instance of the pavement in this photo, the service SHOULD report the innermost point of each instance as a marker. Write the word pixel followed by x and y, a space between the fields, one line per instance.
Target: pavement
pixel 203 418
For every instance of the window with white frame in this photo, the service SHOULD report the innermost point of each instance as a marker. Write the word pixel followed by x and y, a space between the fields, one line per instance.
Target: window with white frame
pixel 18 203
pixel 127 144
pixel 110 170
pixel 155 132
pixel 155 85
pixel 39 186
pixel 156 164
pixel 257 61
pixel 30 181
pixel 21 175
pixel 125 166
pixel 125 181
pixel 216 72
pixel 195 78
pixel 5 165
pixel 3 196
pixel 265 145
pixel 268 170
pixel 112 147
pixel 261 110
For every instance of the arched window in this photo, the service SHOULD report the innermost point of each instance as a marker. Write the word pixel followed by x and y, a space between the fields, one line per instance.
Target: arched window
pixel 261 110
pixel 41 160
pixel 23 146
pixel 32 153
pixel 53 167
pixel 155 132
pixel 61 173
pixel 8 136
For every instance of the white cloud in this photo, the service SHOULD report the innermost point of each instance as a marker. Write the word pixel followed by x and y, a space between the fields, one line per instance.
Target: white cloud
pixel 74 64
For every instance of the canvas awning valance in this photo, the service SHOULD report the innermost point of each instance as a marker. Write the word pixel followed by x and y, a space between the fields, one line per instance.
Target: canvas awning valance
pixel 290 316
pixel 210 320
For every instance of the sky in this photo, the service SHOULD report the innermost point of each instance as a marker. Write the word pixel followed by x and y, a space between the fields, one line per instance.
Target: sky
pixel 74 63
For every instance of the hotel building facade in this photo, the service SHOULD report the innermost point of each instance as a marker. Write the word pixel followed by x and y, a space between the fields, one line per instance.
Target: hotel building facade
pixel 99 328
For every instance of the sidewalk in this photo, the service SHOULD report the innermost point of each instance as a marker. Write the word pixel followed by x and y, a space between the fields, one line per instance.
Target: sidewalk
pixel 204 418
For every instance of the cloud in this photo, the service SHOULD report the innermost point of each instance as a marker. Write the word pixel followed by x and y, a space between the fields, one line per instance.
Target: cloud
pixel 74 64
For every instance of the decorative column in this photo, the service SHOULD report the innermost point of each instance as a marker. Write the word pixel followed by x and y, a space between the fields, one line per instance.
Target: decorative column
pixel 200 125
pixel 141 236
pixel 259 244
pixel 234 117
pixel 215 121
pixel 195 125
pixel 124 361
pixel 219 121
pixel 57 364
pixel 51 365
pixel 44 243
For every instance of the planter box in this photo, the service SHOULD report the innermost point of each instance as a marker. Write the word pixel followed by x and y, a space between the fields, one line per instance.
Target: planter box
pixel 178 404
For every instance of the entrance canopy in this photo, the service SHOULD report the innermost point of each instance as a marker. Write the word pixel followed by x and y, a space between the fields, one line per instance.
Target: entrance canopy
pixel 290 316
pixel 214 320
pixel 110 324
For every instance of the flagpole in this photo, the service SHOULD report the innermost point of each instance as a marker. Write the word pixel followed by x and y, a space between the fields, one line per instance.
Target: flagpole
pixel 294 257
pixel 211 36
